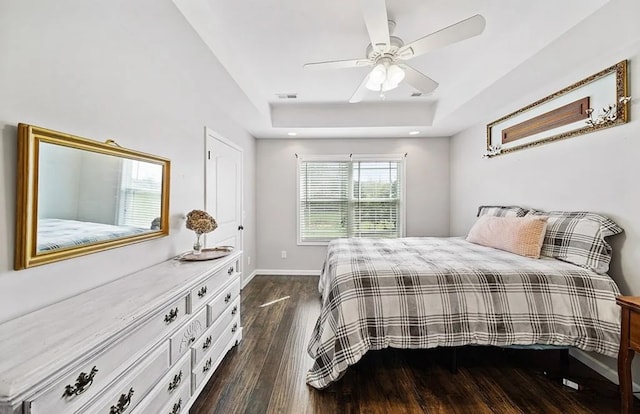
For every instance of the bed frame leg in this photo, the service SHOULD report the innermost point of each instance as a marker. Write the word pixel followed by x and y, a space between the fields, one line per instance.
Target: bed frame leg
pixel 454 360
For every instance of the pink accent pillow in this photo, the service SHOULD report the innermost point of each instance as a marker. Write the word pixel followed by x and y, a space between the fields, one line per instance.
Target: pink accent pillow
pixel 519 235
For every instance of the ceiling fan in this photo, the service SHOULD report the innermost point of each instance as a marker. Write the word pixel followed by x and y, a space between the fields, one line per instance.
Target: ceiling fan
pixel 386 53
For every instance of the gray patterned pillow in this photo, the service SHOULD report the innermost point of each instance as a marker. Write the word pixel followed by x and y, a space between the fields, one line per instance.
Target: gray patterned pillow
pixel 579 238
pixel 501 211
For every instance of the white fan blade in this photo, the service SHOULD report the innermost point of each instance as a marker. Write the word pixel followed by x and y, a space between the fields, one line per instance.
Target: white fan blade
pixel 339 64
pixel 462 30
pixel 375 17
pixel 418 80
pixel 360 92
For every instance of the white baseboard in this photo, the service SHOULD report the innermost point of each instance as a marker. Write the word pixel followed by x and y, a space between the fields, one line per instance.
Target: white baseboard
pixel 279 272
pixel 606 371
pixel 246 281
pixel 287 272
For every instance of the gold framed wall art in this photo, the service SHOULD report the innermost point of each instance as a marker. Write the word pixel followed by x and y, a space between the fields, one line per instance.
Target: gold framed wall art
pixel 565 114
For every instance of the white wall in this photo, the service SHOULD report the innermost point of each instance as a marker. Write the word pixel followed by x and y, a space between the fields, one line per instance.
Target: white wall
pixel 58 183
pixel 133 71
pixel 427 199
pixel 594 172
pixel 99 188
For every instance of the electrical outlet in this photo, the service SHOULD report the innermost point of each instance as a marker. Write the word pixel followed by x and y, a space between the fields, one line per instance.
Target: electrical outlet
pixel 283 254
pixel 248 260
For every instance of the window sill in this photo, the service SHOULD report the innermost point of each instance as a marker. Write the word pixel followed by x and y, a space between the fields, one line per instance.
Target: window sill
pixel 314 243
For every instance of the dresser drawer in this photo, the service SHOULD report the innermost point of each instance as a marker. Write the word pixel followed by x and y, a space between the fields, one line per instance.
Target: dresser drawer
pixel 177 404
pixel 125 394
pixel 75 389
pixel 170 387
pixel 208 289
pixel 187 335
pixel 212 359
pixel 217 306
pixel 206 342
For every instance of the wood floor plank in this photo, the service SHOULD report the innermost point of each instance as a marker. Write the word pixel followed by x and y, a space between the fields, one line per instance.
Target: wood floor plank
pixel 440 393
pixel 288 395
pixel 229 394
pixel 266 372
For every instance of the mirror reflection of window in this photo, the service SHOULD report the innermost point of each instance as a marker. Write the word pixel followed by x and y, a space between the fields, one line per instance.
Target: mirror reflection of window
pixel 140 194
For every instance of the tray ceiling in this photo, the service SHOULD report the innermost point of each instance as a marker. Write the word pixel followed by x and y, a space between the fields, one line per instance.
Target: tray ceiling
pixel 264 44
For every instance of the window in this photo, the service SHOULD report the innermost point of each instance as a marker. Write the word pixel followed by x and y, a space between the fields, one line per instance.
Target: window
pixel 351 197
pixel 140 194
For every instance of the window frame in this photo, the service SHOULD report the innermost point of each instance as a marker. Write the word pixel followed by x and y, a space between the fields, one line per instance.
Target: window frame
pixel 401 158
pixel 128 189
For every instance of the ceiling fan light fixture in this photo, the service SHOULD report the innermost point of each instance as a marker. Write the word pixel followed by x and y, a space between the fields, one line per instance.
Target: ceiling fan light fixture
pixel 377 77
pixel 372 86
pixel 379 73
pixel 384 77
pixel 395 74
pixel 387 85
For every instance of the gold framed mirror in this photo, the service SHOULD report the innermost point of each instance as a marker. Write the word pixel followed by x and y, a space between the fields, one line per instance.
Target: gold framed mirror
pixel 77 196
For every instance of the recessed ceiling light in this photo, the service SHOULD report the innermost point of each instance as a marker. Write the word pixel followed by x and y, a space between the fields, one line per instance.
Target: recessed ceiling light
pixel 414 132
pixel 292 134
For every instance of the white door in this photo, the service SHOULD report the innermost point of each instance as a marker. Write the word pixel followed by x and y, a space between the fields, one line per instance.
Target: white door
pixel 223 190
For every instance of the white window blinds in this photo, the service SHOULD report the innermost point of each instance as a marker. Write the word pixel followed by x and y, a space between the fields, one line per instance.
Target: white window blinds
pixel 349 198
pixel 140 194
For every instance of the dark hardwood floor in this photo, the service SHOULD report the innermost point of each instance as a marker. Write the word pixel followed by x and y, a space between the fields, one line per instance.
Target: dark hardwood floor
pixel 265 373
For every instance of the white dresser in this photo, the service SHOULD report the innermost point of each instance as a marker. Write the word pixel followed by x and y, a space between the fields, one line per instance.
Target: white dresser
pixel 145 343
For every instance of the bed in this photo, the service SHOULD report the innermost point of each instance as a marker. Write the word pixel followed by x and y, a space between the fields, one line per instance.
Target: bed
pixel 446 292
pixel 54 234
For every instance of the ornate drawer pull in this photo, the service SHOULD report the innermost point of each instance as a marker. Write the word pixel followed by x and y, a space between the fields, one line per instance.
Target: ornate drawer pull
pixel 207 366
pixel 230 271
pixel 176 407
pixel 192 340
pixel 83 382
pixel 177 379
pixel 234 328
pixel 234 310
pixel 207 343
pixel 123 403
pixel 202 292
pixel 171 316
pixel 227 298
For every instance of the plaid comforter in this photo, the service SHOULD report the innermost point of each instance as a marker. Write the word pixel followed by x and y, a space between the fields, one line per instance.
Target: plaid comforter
pixel 430 292
pixel 54 234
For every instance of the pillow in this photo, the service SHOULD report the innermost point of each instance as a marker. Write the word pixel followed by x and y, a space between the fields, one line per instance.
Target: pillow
pixel 578 238
pixel 519 235
pixel 501 211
